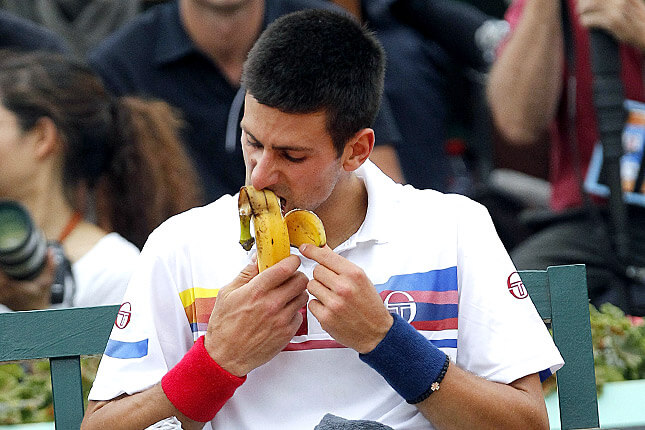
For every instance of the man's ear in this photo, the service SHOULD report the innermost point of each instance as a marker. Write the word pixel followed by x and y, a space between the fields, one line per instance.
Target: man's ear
pixel 358 149
pixel 45 136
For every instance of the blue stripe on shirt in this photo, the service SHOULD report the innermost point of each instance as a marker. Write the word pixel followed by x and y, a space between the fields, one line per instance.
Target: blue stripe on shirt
pixel 434 280
pixel 432 312
pixel 118 349
pixel 444 343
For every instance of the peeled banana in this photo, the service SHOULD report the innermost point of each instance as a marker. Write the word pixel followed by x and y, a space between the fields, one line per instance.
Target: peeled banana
pixel 273 232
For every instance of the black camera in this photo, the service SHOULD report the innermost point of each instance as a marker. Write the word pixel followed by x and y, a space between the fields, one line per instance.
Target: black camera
pixel 24 250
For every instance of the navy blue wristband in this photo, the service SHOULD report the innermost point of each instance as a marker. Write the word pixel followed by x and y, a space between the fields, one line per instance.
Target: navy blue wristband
pixel 409 362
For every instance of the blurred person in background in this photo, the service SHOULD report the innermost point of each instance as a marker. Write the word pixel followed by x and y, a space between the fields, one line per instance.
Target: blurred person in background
pixel 189 53
pixel 68 151
pixel 416 89
pixel 81 23
pixel 436 51
pixel 532 90
pixel 21 34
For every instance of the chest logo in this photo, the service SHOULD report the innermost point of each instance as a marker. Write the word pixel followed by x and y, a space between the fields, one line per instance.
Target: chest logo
pixel 516 286
pixel 402 304
pixel 123 316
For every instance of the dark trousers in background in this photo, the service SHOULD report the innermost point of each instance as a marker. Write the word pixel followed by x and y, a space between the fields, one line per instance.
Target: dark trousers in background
pixel 583 238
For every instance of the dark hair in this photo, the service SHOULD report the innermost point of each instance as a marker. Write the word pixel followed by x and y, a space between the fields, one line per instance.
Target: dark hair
pixel 318 60
pixel 127 150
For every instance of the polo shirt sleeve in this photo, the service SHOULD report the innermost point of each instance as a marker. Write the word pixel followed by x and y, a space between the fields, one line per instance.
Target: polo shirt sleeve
pixel 501 337
pixel 151 333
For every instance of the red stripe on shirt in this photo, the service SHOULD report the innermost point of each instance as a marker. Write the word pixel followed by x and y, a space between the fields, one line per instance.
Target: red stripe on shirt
pixel 446 324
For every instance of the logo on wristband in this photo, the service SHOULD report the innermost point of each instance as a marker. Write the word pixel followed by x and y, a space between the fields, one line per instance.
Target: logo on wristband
pixel 516 286
pixel 402 304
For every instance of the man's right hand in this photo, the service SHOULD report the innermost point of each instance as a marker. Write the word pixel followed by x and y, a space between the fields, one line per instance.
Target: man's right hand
pixel 256 315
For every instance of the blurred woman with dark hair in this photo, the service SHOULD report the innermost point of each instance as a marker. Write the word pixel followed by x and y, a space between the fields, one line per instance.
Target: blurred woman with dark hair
pixel 71 153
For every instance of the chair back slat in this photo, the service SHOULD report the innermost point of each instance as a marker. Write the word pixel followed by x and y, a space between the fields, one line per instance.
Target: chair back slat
pixel 537 283
pixel 67 390
pixel 55 332
pixel 560 296
pixel 62 336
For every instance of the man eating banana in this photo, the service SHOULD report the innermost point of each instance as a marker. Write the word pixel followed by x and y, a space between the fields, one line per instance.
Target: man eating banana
pixel 403 319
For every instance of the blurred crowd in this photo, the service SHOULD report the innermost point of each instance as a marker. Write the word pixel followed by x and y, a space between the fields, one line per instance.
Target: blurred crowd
pixel 117 114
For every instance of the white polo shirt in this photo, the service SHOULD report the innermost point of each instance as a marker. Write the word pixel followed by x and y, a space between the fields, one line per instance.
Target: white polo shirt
pixel 435 259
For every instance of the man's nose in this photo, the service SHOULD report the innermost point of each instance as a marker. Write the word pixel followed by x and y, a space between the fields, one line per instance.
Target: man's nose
pixel 264 173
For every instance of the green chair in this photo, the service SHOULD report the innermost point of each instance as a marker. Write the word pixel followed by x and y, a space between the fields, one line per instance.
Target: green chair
pixel 560 296
pixel 62 336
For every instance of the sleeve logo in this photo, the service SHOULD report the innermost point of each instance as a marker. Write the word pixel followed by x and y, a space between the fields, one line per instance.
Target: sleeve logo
pixel 516 286
pixel 123 316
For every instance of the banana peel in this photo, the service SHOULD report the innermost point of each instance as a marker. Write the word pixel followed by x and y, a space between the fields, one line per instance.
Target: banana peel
pixel 275 233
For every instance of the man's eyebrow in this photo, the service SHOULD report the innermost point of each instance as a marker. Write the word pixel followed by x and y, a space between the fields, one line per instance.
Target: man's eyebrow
pixel 278 147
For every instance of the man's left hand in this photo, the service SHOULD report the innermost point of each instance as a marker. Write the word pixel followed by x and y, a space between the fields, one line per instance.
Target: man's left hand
pixel 346 303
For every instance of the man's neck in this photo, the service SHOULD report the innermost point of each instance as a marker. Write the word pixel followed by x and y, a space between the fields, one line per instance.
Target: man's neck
pixel 224 34
pixel 344 211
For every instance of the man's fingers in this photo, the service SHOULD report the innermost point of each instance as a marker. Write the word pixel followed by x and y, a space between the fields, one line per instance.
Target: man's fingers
pixel 324 256
pixel 595 19
pixel 325 276
pixel 249 272
pixel 319 291
pixel 323 285
pixel 278 273
pixel 297 303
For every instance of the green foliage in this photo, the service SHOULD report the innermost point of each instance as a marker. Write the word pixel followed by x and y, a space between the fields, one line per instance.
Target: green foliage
pixel 619 345
pixel 25 390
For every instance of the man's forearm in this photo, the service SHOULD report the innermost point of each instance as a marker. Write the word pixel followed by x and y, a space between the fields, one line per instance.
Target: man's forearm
pixel 142 409
pixel 468 401
pixel 525 81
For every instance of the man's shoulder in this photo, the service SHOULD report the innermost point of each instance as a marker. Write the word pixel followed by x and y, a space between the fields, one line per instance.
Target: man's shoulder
pixel 209 225
pixel 207 216
pixel 405 204
pixel 23 34
pixel 438 208
pixel 136 37
pixel 205 236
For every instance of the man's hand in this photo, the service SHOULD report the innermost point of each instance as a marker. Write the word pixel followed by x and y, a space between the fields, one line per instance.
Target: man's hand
pixel 346 304
pixel 256 315
pixel 28 295
pixel 624 19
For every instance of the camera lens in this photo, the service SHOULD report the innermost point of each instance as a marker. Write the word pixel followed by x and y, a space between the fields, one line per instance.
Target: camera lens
pixel 23 248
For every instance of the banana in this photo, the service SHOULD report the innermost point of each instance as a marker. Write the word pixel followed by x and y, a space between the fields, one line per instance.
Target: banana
pixel 271 235
pixel 273 232
pixel 305 227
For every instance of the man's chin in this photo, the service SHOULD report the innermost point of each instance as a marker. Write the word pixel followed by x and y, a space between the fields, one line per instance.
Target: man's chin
pixel 223 7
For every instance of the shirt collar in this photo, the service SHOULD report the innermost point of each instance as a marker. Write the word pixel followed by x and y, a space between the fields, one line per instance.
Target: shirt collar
pixel 381 209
